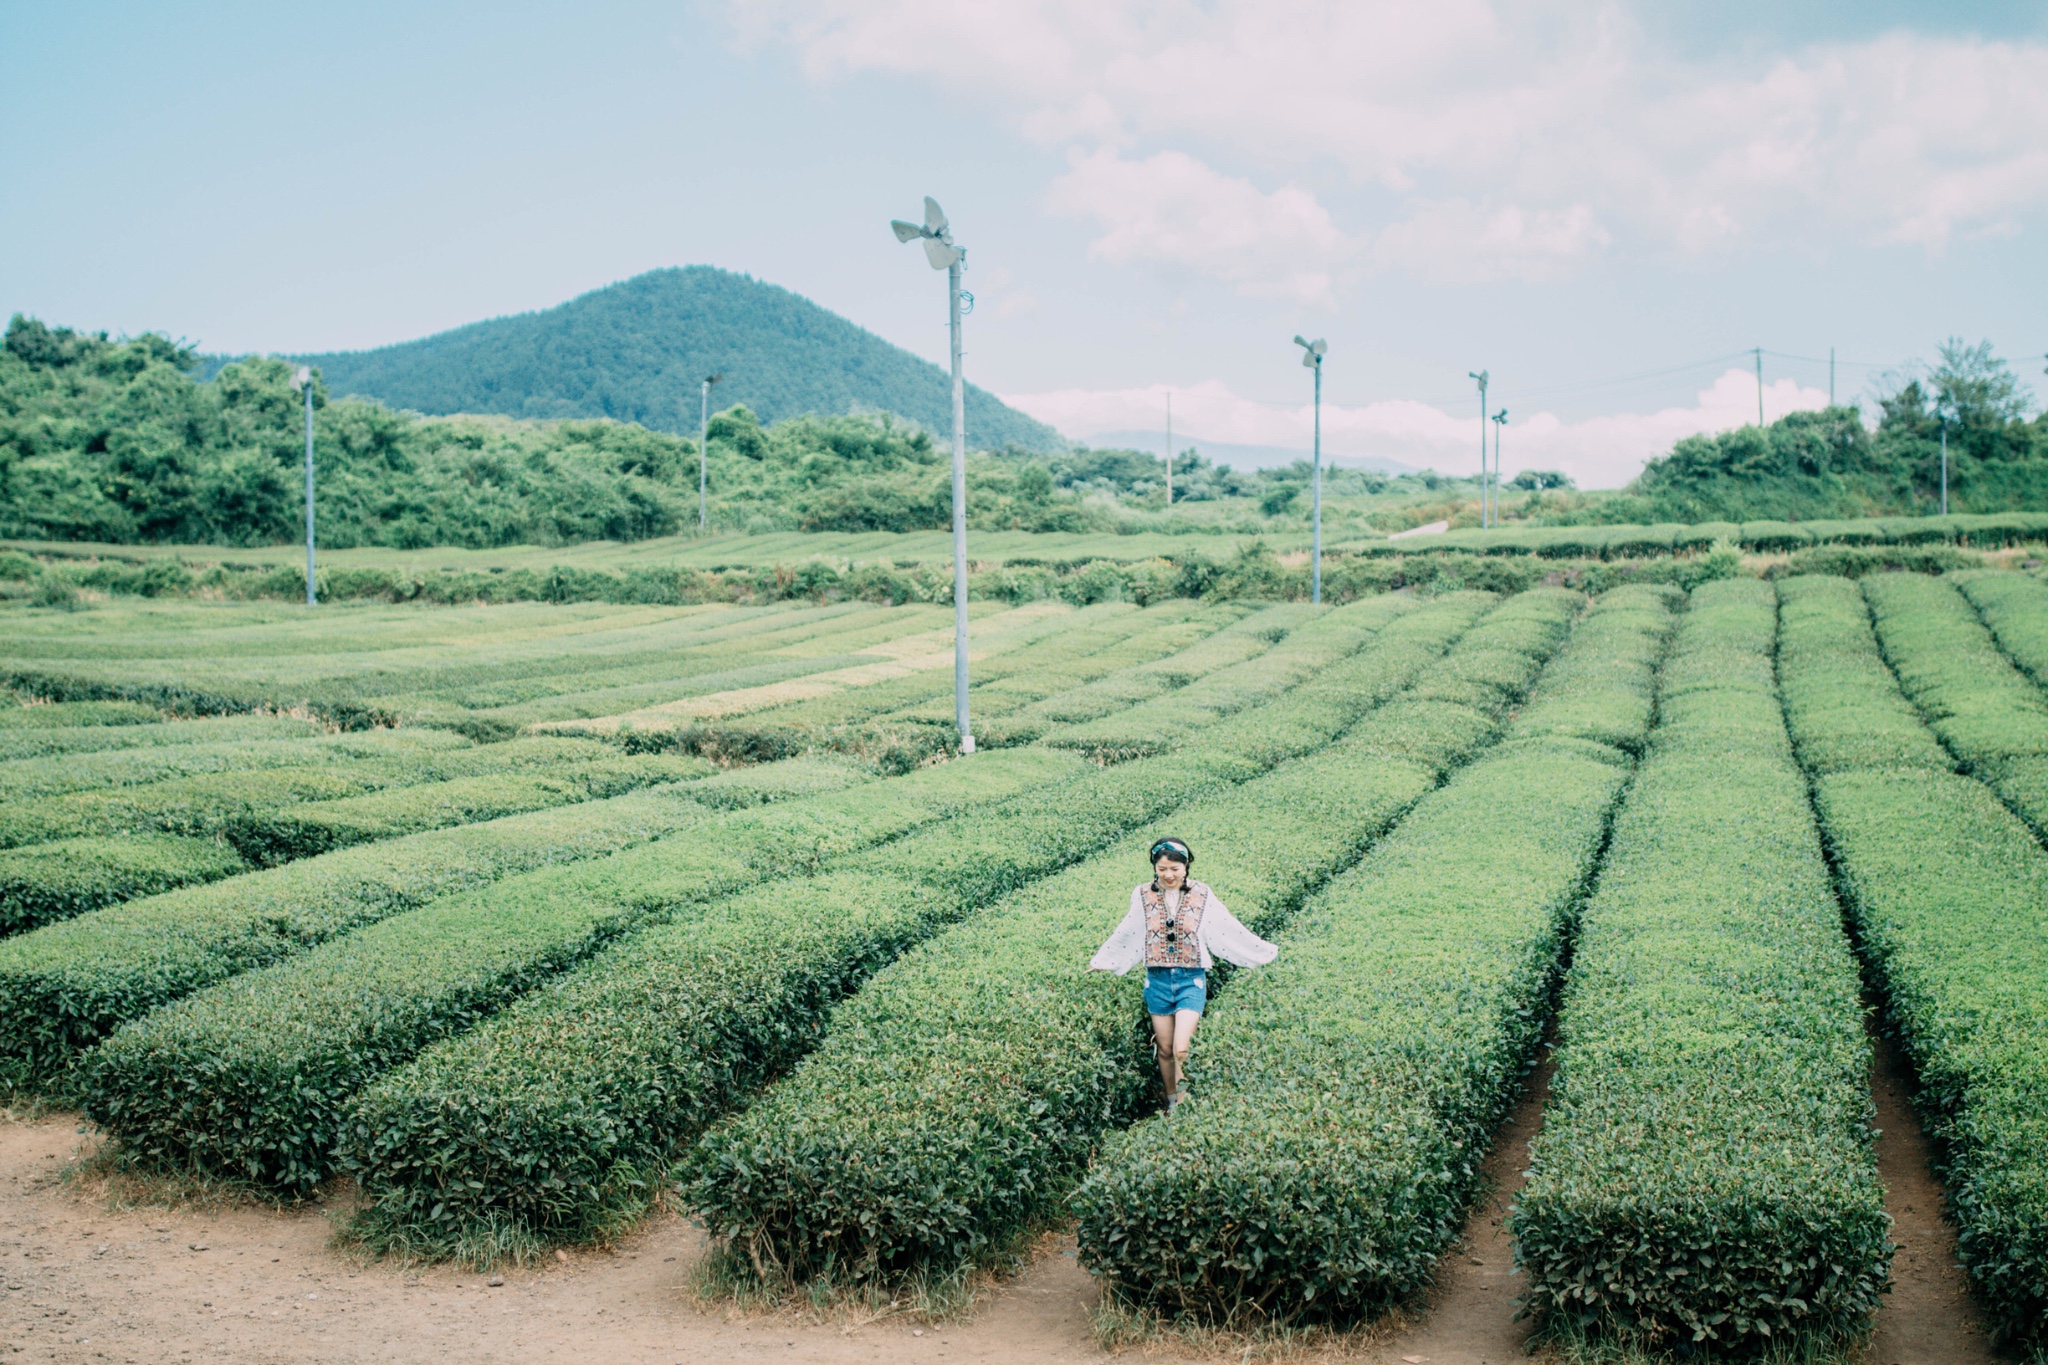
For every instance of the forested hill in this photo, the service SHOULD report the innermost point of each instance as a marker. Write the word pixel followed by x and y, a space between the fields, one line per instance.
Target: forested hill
pixel 637 351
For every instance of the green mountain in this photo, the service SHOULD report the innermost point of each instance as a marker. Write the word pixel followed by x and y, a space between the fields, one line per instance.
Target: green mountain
pixel 637 351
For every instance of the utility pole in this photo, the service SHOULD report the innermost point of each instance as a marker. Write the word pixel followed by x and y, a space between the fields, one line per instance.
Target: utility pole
pixel 704 450
pixel 1169 449
pixel 1481 376
pixel 1831 376
pixel 1500 419
pixel 1759 386
pixel 944 254
pixel 303 381
pixel 1312 356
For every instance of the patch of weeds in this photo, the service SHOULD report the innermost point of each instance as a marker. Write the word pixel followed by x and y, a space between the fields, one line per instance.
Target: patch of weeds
pixel 1571 1344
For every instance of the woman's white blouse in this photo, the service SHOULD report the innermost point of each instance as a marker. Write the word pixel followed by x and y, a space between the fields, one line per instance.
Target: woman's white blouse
pixel 1220 934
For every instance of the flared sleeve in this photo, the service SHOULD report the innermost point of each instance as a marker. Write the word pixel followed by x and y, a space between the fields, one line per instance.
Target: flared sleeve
pixel 1224 937
pixel 1126 947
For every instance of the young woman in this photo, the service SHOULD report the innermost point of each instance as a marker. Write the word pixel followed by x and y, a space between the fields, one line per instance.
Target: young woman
pixel 1174 926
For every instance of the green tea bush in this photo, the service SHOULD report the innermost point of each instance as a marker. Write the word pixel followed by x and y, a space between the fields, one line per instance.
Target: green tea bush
pixel 66 986
pixel 1345 1095
pixel 1949 894
pixel 249 1078
pixel 1843 705
pixel 1184 643
pixel 49 882
pixel 1992 717
pixel 1156 725
pixel 968 1124
pixel 98 773
pixel 2015 607
pixel 254 809
pixel 556 1118
pixel 285 833
pixel 76 713
pixel 80 739
pixel 1706 1172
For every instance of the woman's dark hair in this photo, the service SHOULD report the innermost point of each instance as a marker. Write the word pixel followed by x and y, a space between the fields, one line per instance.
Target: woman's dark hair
pixel 1175 849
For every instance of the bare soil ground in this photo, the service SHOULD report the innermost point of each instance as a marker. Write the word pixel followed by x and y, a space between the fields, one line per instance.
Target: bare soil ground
pixel 82 1280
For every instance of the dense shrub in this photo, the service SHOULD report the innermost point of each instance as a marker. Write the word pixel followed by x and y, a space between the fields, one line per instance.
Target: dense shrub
pixel 250 1077
pixel 49 882
pixel 968 1123
pixel 66 986
pixel 1346 1094
pixel 81 739
pixel 1987 713
pixel 556 1118
pixel 1949 893
pixel 1706 1172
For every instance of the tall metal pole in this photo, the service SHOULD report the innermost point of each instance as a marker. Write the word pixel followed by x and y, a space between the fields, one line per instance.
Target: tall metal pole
pixel 1500 419
pixel 704 454
pixel 1944 464
pixel 1169 449
pixel 306 383
pixel 1481 376
pixel 1315 590
pixel 959 516
pixel 1759 386
pixel 1831 376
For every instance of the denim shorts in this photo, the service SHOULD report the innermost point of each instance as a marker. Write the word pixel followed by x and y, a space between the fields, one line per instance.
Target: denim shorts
pixel 1169 990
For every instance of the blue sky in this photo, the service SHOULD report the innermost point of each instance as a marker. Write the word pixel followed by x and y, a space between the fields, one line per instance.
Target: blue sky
pixel 1600 204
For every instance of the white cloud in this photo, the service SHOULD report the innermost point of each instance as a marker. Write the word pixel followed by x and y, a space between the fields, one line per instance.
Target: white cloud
pixel 1172 208
pixel 1466 243
pixel 1507 140
pixel 1600 452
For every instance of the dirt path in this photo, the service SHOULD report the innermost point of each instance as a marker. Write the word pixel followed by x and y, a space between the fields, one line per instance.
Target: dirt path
pixel 80 1282
pixel 1471 1316
pixel 1929 1315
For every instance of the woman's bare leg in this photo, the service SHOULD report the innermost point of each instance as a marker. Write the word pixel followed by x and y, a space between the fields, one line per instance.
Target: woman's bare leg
pixel 1184 1022
pixel 1163 1028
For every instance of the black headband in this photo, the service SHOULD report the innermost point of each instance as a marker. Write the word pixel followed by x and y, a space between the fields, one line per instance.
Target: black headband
pixel 1174 849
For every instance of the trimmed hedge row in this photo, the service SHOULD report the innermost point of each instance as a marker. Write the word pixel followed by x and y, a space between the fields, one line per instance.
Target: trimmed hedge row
pixel 1170 629
pixel 76 713
pixel 250 1077
pixel 66 986
pixel 284 834
pixel 1154 726
pixel 1197 641
pixel 377 666
pixel 1949 893
pixel 1345 1096
pixel 26 779
pixel 1706 1171
pixel 80 739
pixel 56 881
pixel 1992 717
pixel 1843 704
pixel 929 1131
pixel 556 1118
pixel 254 809
pixel 2015 607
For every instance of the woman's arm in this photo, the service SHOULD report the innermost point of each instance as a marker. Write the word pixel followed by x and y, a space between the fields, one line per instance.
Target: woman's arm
pixel 1126 947
pixel 1224 937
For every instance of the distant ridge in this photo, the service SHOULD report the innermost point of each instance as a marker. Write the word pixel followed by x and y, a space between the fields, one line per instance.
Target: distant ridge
pixel 1240 456
pixel 637 351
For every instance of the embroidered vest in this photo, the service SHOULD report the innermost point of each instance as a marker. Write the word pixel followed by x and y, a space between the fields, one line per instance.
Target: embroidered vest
pixel 1174 940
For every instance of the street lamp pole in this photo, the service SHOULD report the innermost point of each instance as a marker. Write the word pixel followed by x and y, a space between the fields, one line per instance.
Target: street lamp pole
pixel 940 249
pixel 704 450
pixel 1312 356
pixel 1500 419
pixel 1481 376
pixel 303 381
